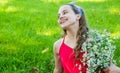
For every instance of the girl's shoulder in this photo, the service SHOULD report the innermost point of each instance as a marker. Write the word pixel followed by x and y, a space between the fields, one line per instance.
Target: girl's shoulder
pixel 57 45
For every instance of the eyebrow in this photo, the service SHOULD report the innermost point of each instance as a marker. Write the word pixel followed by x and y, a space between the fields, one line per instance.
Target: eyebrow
pixel 63 11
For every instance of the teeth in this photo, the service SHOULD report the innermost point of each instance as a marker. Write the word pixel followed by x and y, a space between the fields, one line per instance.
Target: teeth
pixel 63 21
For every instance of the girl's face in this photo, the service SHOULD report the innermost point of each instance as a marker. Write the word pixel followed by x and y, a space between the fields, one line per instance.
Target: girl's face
pixel 67 17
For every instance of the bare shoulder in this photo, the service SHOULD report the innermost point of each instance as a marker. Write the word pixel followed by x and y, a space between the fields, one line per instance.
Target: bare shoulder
pixel 58 65
pixel 57 45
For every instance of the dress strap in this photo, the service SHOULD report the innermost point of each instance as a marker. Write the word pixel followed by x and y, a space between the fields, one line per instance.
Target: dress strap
pixel 62 44
pixel 63 39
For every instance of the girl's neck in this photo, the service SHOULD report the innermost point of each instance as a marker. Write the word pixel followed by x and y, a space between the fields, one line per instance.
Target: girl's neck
pixel 71 34
pixel 70 38
pixel 72 31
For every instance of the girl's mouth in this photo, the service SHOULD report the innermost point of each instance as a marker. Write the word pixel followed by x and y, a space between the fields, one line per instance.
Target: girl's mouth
pixel 63 21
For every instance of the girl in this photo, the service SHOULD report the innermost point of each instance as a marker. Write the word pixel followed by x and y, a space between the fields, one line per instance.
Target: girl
pixel 67 50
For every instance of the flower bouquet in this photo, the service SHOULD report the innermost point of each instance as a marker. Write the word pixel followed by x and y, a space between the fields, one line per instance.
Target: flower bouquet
pixel 99 51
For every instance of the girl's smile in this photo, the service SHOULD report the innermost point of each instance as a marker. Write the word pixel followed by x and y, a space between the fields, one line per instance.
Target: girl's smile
pixel 63 20
pixel 67 17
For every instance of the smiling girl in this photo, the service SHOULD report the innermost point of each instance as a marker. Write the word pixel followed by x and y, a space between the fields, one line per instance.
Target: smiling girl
pixel 67 50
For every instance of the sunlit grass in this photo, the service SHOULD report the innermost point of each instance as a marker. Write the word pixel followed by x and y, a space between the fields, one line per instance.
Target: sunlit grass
pixel 115 34
pixel 114 11
pixel 9 9
pixel 48 32
pixel 28 29
pixel 49 1
pixel 91 0
pixel 3 2
pixel 45 50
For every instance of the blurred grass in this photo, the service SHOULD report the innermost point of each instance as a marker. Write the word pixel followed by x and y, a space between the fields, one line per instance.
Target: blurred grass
pixel 28 29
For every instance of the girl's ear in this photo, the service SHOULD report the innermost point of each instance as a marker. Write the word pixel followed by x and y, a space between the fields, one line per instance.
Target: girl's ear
pixel 78 16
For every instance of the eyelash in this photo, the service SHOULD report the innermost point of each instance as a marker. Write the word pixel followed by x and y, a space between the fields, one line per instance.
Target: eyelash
pixel 63 14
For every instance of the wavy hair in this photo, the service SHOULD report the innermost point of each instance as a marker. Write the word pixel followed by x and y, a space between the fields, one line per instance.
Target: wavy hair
pixel 82 31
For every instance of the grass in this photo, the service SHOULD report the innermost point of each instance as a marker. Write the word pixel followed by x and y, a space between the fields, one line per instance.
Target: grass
pixel 28 29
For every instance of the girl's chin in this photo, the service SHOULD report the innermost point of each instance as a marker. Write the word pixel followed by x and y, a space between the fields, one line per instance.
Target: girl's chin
pixel 64 26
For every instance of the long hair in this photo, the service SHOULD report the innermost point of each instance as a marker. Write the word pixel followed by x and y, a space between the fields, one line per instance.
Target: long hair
pixel 81 33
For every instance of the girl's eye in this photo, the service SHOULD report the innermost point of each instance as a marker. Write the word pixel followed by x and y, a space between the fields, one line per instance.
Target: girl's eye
pixel 65 12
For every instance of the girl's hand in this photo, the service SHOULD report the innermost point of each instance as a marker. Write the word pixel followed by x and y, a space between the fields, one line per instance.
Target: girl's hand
pixel 112 69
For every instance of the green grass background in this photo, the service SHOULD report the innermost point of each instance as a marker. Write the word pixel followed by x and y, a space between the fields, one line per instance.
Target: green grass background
pixel 28 29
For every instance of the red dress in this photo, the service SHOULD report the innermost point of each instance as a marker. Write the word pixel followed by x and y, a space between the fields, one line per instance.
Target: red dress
pixel 67 57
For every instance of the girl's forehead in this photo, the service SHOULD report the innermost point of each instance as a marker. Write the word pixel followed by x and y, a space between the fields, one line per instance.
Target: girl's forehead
pixel 64 7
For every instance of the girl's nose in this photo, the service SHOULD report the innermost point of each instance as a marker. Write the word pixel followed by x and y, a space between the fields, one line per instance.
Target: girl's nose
pixel 61 17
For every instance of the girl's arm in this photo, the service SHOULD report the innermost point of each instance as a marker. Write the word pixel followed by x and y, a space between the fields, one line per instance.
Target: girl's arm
pixel 58 66
pixel 112 69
